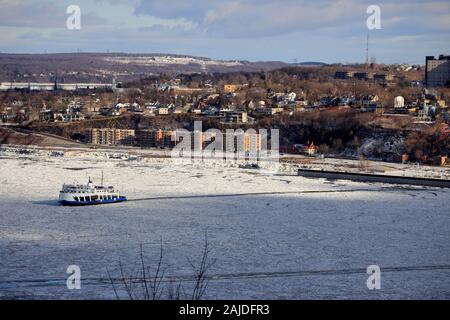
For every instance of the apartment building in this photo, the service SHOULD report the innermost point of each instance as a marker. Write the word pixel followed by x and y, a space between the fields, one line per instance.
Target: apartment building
pixel 156 138
pixel 252 142
pixel 437 71
pixel 241 141
pixel 110 136
pixel 244 142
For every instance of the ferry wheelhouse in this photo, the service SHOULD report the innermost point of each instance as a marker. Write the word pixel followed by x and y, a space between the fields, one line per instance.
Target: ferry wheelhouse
pixel 89 194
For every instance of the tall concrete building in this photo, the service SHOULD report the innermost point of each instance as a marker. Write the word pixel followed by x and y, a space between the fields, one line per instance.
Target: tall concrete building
pixel 437 72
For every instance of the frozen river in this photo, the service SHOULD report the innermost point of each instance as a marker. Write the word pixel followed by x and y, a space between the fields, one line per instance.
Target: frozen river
pixel 273 236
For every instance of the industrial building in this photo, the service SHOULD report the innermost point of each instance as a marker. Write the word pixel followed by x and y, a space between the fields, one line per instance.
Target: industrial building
pixel 34 86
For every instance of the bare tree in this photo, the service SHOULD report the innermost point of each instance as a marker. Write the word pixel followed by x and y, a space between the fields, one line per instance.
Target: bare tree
pixel 201 281
pixel 147 283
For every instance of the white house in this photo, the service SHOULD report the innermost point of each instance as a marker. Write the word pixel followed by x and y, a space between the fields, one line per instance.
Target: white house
pixel 399 102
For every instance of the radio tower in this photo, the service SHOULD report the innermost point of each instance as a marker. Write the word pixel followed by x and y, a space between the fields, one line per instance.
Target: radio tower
pixel 367 50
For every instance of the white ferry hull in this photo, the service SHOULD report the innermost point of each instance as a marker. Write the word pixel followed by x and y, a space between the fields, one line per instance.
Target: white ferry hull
pixel 91 203
pixel 88 195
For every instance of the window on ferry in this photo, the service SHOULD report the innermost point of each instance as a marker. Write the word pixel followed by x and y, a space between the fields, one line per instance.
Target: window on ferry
pixel 82 199
pixel 76 199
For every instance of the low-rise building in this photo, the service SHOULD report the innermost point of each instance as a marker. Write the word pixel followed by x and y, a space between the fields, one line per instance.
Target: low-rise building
pixel 162 111
pixel 383 77
pixel 179 110
pixel 268 111
pixel 46 115
pixel 371 103
pixel 363 75
pixel 343 75
pixel 234 116
pixel 70 117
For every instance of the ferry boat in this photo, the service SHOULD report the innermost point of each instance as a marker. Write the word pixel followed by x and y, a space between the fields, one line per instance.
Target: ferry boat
pixel 89 194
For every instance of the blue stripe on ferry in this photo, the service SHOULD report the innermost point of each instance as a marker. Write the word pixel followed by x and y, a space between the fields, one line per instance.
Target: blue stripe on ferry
pixel 66 202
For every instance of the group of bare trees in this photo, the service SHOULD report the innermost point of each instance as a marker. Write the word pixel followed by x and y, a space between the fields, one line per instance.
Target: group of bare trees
pixel 149 281
pixel 428 143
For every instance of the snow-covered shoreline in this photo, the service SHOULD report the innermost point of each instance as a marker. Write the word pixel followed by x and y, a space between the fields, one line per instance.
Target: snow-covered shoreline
pixel 287 163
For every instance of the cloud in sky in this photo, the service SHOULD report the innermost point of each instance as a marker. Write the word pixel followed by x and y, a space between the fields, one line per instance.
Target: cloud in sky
pixel 327 30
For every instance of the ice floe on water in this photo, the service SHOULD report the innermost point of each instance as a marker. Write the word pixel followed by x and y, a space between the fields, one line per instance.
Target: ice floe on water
pixel 272 235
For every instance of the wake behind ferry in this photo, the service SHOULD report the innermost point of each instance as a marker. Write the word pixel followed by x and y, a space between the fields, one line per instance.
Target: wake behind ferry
pixel 89 194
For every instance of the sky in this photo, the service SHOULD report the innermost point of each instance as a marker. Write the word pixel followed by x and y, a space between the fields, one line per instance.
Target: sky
pixel 254 30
